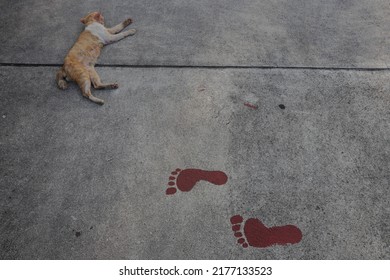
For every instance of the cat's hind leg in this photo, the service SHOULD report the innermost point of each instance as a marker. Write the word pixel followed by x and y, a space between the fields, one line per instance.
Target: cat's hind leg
pixel 60 78
pixel 97 83
pixel 84 83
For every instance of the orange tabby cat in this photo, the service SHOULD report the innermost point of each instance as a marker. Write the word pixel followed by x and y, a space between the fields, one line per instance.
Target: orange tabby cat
pixel 81 59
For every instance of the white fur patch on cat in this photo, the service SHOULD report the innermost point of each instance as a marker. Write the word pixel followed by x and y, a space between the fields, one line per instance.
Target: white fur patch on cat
pixel 99 31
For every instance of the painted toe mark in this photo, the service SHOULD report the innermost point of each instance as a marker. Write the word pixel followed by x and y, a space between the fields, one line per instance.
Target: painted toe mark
pixel 170 191
pixel 256 234
pixel 236 219
pixel 236 227
pixel 186 179
pixel 241 240
pixel 236 222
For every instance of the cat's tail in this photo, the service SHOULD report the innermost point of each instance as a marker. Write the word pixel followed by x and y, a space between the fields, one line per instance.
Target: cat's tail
pixel 60 78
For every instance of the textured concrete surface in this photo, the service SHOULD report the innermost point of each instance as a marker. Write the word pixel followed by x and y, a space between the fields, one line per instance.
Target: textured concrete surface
pixel 333 33
pixel 71 166
pixel 304 147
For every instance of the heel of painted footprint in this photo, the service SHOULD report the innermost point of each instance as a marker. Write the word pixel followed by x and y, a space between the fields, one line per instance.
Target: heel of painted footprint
pixel 254 233
pixel 186 179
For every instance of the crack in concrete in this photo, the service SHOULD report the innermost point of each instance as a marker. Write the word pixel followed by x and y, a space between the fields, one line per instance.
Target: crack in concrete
pixel 217 67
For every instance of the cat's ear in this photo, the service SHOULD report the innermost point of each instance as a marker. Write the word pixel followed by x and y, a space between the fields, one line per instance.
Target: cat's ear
pixel 97 17
pixel 82 20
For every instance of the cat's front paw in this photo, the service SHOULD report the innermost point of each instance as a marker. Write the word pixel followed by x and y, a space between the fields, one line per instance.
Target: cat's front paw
pixel 114 86
pixel 131 32
pixel 127 22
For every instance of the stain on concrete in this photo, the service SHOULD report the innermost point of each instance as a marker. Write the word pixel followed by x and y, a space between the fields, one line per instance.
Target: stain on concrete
pixel 76 233
pixel 252 106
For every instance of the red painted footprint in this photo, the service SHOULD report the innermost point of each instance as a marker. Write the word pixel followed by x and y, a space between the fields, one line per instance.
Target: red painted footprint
pixel 186 179
pixel 258 235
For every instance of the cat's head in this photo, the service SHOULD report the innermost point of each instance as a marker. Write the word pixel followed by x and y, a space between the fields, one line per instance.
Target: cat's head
pixel 93 17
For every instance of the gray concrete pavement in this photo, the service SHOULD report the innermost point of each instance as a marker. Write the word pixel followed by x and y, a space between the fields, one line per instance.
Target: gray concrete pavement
pixel 70 166
pixel 308 148
pixel 348 33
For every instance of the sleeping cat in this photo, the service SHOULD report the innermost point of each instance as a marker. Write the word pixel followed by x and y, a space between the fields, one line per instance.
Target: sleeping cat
pixel 81 59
